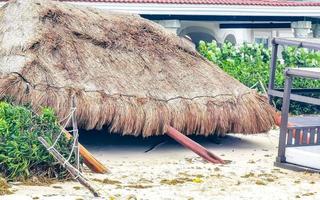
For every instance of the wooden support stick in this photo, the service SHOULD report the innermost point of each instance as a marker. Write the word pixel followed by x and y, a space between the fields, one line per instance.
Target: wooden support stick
pixel 75 132
pixel 193 146
pixel 72 170
pixel 88 158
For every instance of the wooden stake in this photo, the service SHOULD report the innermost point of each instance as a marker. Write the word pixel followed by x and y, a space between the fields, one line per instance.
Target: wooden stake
pixel 72 170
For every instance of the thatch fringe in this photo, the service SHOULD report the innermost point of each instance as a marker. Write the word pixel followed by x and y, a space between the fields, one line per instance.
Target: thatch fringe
pixel 125 114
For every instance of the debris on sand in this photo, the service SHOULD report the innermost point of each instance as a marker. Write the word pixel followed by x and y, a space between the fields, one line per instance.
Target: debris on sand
pixel 107 181
pixel 4 187
pixel 39 181
pixel 138 186
pixel 181 180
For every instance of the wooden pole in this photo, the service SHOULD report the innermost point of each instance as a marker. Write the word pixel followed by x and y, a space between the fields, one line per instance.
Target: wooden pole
pixel 88 158
pixel 72 170
pixel 193 146
pixel 75 132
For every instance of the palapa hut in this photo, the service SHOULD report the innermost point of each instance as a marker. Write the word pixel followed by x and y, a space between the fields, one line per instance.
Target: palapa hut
pixel 128 74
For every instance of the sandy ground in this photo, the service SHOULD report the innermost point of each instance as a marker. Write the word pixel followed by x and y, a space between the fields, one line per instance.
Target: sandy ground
pixel 172 172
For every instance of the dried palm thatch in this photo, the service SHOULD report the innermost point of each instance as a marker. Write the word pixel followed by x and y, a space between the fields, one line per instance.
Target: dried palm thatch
pixel 128 74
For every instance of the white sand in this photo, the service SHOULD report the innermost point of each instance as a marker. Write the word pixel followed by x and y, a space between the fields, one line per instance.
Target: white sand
pixel 250 175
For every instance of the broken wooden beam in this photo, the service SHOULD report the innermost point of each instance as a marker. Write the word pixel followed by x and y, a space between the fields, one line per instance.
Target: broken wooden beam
pixel 88 158
pixel 193 146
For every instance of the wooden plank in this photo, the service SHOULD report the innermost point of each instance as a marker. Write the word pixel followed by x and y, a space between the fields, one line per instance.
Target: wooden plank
pixel 310 43
pixel 289 137
pixel 318 136
pixel 284 119
pixel 294 167
pixel 297 138
pixel 305 136
pixel 295 97
pixel 306 72
pixel 312 135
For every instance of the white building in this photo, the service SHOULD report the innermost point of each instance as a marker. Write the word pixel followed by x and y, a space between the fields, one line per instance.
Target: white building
pixel 236 21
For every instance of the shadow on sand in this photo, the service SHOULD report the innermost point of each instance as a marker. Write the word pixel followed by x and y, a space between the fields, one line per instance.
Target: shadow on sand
pixel 104 140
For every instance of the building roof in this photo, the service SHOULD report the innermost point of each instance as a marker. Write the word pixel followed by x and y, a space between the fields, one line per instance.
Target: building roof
pixel 198 8
pixel 275 3
pixel 214 2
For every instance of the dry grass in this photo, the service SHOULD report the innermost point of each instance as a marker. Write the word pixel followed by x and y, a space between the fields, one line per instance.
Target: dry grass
pixel 107 181
pixel 4 187
pixel 181 180
pixel 39 181
pixel 138 186
pixel 175 181
pixel 127 73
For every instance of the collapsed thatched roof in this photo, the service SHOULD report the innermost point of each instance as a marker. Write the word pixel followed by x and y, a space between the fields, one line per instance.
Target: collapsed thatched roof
pixel 127 73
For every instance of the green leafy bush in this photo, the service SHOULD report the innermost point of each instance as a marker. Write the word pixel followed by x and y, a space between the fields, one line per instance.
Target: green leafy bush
pixel 246 63
pixel 249 63
pixel 21 154
pixel 300 57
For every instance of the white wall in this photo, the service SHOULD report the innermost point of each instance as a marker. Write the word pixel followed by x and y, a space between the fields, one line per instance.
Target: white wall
pixel 210 27
pixel 241 35
pixel 270 33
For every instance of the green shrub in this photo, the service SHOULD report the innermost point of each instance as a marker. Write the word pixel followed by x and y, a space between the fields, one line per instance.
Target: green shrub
pixel 249 63
pixel 300 57
pixel 21 154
